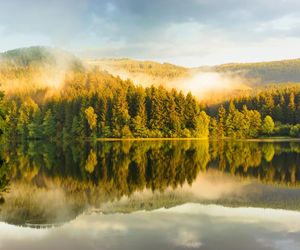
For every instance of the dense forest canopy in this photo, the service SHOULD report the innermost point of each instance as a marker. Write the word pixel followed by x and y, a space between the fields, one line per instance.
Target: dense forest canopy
pixel 51 94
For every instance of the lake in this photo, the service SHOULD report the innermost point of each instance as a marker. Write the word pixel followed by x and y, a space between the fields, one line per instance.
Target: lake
pixel 152 194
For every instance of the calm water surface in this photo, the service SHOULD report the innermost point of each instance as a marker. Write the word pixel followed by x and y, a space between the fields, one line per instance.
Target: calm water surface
pixel 150 195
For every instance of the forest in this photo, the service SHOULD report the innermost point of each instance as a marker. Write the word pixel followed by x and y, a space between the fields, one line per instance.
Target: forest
pixel 89 102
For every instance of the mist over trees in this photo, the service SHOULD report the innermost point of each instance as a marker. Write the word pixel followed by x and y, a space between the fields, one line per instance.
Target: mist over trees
pixel 108 107
pixel 91 103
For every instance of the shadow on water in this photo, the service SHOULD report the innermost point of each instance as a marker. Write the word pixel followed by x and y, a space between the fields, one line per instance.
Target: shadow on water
pixel 4 180
pixel 51 183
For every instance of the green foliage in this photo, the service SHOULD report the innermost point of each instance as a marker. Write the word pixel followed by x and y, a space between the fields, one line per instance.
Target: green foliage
pixel 268 125
pixel 91 117
pixel 295 131
pixel 49 125
pixel 213 128
pixel 113 108
pixel 2 114
pixel 265 72
pixel 202 125
pixel 282 103
pixel 93 103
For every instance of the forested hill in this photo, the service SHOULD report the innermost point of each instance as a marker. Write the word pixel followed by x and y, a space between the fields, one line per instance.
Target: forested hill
pixel 144 72
pixel 264 72
pixel 28 69
pixel 37 56
pixel 34 58
pixel 51 95
pixel 260 73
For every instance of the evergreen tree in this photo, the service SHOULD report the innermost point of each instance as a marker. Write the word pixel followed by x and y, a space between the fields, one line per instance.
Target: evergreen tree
pixel 213 128
pixel 291 109
pixel 35 130
pixel 191 112
pixel 221 122
pixel 49 125
pixel 229 122
pixel 120 115
pixel 154 104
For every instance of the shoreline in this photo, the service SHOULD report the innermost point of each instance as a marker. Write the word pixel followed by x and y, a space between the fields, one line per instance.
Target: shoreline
pixel 275 139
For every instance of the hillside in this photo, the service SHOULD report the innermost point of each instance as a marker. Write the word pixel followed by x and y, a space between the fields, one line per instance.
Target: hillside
pixel 256 74
pixel 48 67
pixel 37 56
pixel 28 69
pixel 264 72
pixel 142 72
pixel 53 95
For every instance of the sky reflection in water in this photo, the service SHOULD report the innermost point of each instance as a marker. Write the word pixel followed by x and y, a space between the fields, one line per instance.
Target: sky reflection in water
pixel 189 226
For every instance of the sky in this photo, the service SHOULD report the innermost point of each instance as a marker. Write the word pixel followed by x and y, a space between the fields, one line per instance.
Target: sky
pixel 184 32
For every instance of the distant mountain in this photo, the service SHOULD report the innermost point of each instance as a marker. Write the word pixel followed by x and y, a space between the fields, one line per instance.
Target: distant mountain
pixel 38 56
pixel 31 68
pixel 264 72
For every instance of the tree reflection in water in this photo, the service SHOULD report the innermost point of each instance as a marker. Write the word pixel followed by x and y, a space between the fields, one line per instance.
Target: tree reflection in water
pixel 78 175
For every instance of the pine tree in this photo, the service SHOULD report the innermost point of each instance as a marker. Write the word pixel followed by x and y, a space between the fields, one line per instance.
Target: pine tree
pixel 172 124
pixel 120 115
pixel 221 122
pixel 291 109
pixel 191 112
pixel 229 122
pixel 213 128
pixel 75 130
pixel 155 111
pixel 49 125
pixel 180 106
pixel 35 130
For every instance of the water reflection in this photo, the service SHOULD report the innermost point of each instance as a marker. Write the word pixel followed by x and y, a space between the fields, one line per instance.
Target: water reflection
pixel 4 180
pixel 190 226
pixel 53 183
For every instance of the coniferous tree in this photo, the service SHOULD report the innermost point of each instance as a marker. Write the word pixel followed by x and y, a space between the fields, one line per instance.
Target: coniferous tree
pixel 291 109
pixel 213 128
pixel 35 130
pixel 49 125
pixel 191 112
pixel 221 122
pixel 120 115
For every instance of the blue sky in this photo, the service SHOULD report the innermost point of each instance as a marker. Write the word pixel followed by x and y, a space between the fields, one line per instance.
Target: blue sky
pixel 185 32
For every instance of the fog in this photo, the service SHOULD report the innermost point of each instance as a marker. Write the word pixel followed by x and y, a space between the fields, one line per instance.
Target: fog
pixel 40 74
pixel 205 85
pixel 210 85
